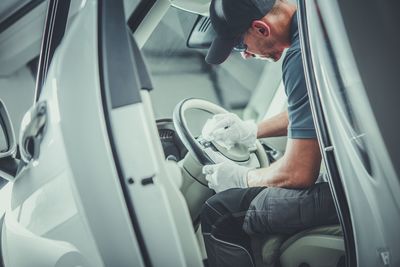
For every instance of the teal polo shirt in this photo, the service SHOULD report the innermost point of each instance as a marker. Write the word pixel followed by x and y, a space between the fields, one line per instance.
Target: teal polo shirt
pixel 301 125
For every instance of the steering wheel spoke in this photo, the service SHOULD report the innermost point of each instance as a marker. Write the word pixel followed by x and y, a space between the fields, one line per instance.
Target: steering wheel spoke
pixel 206 152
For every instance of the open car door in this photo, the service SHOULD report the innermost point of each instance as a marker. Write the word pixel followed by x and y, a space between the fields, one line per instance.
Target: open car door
pixel 94 188
pixel 353 95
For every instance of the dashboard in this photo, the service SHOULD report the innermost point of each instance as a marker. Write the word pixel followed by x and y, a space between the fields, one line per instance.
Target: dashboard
pixel 171 143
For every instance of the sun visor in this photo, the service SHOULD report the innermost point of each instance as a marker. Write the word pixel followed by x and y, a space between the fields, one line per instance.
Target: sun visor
pixel 195 6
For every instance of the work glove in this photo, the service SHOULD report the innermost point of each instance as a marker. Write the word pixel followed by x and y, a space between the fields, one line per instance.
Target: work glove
pixel 228 129
pixel 226 175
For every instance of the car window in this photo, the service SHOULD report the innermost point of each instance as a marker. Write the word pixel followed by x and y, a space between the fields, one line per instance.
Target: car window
pixel 129 6
pixel 348 106
pixel 357 135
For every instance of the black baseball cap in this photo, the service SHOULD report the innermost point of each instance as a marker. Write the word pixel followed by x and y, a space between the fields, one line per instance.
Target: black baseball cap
pixel 230 19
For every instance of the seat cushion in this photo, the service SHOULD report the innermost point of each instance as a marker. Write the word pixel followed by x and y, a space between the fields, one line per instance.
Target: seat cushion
pixel 272 246
pixel 332 230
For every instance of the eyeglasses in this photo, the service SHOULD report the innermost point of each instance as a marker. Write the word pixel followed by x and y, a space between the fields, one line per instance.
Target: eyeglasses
pixel 240 46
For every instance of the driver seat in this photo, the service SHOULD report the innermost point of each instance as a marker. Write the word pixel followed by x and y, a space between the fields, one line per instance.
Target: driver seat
pixel 313 247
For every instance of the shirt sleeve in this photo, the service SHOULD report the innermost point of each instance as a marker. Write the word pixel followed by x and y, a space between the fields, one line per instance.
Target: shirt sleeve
pixel 301 125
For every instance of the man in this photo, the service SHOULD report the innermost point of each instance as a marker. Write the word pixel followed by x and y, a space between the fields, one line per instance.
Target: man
pixel 284 197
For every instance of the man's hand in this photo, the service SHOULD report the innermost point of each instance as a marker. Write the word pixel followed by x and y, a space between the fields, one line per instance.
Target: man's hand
pixel 226 175
pixel 228 129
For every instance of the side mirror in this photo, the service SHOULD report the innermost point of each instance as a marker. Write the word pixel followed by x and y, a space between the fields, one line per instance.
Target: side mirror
pixel 8 146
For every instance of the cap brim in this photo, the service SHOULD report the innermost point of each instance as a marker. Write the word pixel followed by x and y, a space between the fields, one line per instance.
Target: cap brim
pixel 220 50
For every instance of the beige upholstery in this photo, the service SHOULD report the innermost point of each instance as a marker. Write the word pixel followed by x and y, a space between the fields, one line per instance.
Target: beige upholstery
pixel 315 246
pixel 268 99
pixel 263 94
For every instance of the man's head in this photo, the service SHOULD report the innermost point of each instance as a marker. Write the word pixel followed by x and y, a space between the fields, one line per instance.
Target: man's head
pixel 259 27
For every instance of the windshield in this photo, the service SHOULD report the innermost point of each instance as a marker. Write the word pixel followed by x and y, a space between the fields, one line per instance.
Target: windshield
pixel 179 72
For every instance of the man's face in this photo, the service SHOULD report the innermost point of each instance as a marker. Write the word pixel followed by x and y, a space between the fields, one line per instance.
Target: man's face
pixel 262 47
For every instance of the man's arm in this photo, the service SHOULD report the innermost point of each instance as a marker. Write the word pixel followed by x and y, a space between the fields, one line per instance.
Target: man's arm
pixel 274 126
pixel 298 168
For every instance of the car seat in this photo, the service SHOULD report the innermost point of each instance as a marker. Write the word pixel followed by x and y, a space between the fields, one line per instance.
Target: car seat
pixel 263 95
pixel 267 100
pixel 314 247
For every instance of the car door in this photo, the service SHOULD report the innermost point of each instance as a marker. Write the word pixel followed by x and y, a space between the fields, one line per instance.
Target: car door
pixel 352 94
pixel 94 189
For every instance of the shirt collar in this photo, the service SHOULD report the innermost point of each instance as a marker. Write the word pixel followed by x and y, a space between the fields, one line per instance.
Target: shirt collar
pixel 294 28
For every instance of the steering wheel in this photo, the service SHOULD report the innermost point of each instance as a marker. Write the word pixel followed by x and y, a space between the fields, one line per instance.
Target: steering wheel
pixel 200 149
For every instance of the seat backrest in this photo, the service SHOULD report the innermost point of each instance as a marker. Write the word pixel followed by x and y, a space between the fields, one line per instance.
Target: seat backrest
pixel 263 95
pixel 268 99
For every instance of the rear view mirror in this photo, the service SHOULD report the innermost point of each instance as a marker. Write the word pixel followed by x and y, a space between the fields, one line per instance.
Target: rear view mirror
pixel 7 137
pixel 202 34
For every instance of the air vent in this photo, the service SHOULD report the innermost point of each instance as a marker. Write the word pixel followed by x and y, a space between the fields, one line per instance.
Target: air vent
pixel 166 134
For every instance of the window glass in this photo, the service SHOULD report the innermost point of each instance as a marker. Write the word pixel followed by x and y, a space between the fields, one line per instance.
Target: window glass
pixel 129 6
pixel 21 28
pixel 8 7
pixel 353 123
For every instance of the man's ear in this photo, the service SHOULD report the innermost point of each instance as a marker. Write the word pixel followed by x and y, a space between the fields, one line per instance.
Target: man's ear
pixel 261 28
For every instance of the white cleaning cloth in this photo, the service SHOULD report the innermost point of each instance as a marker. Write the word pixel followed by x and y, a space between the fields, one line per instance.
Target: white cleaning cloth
pixel 228 129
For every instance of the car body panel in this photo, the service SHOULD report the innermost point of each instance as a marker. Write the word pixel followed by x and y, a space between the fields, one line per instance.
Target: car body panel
pixel 57 92
pixel 365 167
pixel 88 155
